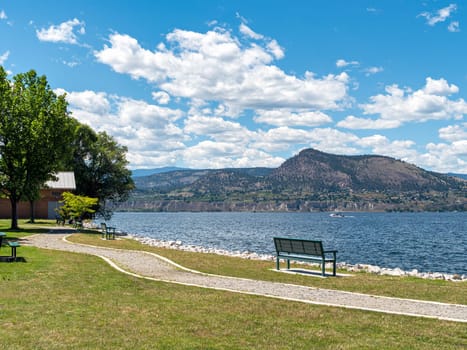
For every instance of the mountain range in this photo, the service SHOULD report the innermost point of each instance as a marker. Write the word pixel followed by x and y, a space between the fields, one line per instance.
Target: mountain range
pixel 147 172
pixel 309 181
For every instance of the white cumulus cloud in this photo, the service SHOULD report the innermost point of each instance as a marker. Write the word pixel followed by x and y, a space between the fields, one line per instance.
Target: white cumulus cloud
pixel 398 106
pixel 446 157
pixel 218 129
pixel 439 16
pixel 341 63
pixel 454 133
pixel 400 149
pixel 90 101
pixel 439 87
pixel 65 32
pixel 216 76
pixel 373 70
pixel 285 117
pixel 4 57
pixel 161 97
pixel 218 67
pixel 149 131
pixel 245 30
pixel 352 122
pixel 218 154
pixel 281 139
pixel 454 27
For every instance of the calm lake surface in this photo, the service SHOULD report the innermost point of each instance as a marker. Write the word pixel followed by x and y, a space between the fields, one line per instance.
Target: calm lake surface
pixel 428 242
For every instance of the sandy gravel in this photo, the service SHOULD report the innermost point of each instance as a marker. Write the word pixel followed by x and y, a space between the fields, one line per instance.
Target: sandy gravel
pixel 148 265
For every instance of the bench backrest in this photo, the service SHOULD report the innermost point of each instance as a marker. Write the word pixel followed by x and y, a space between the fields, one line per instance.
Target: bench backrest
pixel 298 246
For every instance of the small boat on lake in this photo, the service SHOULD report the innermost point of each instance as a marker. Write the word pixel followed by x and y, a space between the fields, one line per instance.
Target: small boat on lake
pixel 337 215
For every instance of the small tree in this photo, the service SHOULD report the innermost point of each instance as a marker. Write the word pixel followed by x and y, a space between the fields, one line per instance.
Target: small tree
pixel 76 207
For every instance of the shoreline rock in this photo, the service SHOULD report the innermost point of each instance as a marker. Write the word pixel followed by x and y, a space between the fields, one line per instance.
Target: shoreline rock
pixel 397 272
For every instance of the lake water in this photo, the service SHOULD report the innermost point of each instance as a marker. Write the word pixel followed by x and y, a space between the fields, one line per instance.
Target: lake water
pixel 428 242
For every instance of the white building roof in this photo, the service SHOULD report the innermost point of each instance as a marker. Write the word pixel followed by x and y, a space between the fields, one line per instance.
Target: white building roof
pixel 65 181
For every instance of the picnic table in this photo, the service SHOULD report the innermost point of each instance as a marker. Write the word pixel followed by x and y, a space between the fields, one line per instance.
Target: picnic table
pixel 12 245
pixel 2 234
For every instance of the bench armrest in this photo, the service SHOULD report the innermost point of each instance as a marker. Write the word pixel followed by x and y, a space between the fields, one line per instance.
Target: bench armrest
pixel 334 252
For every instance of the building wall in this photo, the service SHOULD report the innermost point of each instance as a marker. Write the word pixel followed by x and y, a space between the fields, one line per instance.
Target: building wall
pixel 49 199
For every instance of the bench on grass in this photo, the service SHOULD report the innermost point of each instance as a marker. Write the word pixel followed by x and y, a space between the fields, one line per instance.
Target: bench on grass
pixel 13 246
pixel 2 234
pixel 78 225
pixel 304 250
pixel 107 231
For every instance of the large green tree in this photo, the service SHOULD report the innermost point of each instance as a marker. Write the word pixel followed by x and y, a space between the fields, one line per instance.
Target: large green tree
pixel 35 131
pixel 100 167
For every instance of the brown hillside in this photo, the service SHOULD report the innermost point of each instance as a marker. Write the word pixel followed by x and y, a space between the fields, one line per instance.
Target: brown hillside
pixel 315 170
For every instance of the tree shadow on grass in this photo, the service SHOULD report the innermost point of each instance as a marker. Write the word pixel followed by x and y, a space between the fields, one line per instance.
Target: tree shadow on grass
pixel 27 231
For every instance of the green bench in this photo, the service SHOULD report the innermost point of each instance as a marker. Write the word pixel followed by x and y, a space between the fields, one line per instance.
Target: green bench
pixel 77 225
pixel 107 231
pixel 304 250
pixel 12 245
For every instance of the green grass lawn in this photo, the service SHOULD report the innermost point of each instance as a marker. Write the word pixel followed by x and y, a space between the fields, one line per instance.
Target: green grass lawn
pixel 58 300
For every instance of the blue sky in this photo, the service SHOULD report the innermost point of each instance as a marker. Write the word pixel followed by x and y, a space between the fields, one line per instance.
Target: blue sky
pixel 213 84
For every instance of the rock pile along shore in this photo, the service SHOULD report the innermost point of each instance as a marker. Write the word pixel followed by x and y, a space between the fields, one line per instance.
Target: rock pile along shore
pixel 178 245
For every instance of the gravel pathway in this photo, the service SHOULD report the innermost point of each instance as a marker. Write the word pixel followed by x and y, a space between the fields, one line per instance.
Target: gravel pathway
pixel 152 266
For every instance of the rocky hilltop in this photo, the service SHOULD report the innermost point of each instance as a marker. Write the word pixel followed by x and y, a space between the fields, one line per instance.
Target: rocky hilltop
pixel 309 181
pixel 318 171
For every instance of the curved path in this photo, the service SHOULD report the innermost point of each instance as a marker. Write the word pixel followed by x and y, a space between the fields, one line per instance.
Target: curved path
pixel 152 266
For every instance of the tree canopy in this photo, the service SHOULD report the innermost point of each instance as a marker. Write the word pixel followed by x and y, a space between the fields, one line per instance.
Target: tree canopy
pixel 100 167
pixel 35 134
pixel 38 138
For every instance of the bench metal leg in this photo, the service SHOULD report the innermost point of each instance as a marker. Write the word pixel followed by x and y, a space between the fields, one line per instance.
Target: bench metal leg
pixel 277 264
pixel 334 268
pixel 288 264
pixel 323 269
pixel 13 253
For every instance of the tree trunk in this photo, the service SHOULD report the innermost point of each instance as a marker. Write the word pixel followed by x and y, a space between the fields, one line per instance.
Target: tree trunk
pixel 14 213
pixel 31 212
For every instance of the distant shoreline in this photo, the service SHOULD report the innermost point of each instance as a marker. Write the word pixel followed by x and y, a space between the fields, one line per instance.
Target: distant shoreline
pixel 287 211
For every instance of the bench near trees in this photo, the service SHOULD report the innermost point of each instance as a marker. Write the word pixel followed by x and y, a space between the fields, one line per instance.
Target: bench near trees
pixel 12 245
pixel 107 231
pixel 304 250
